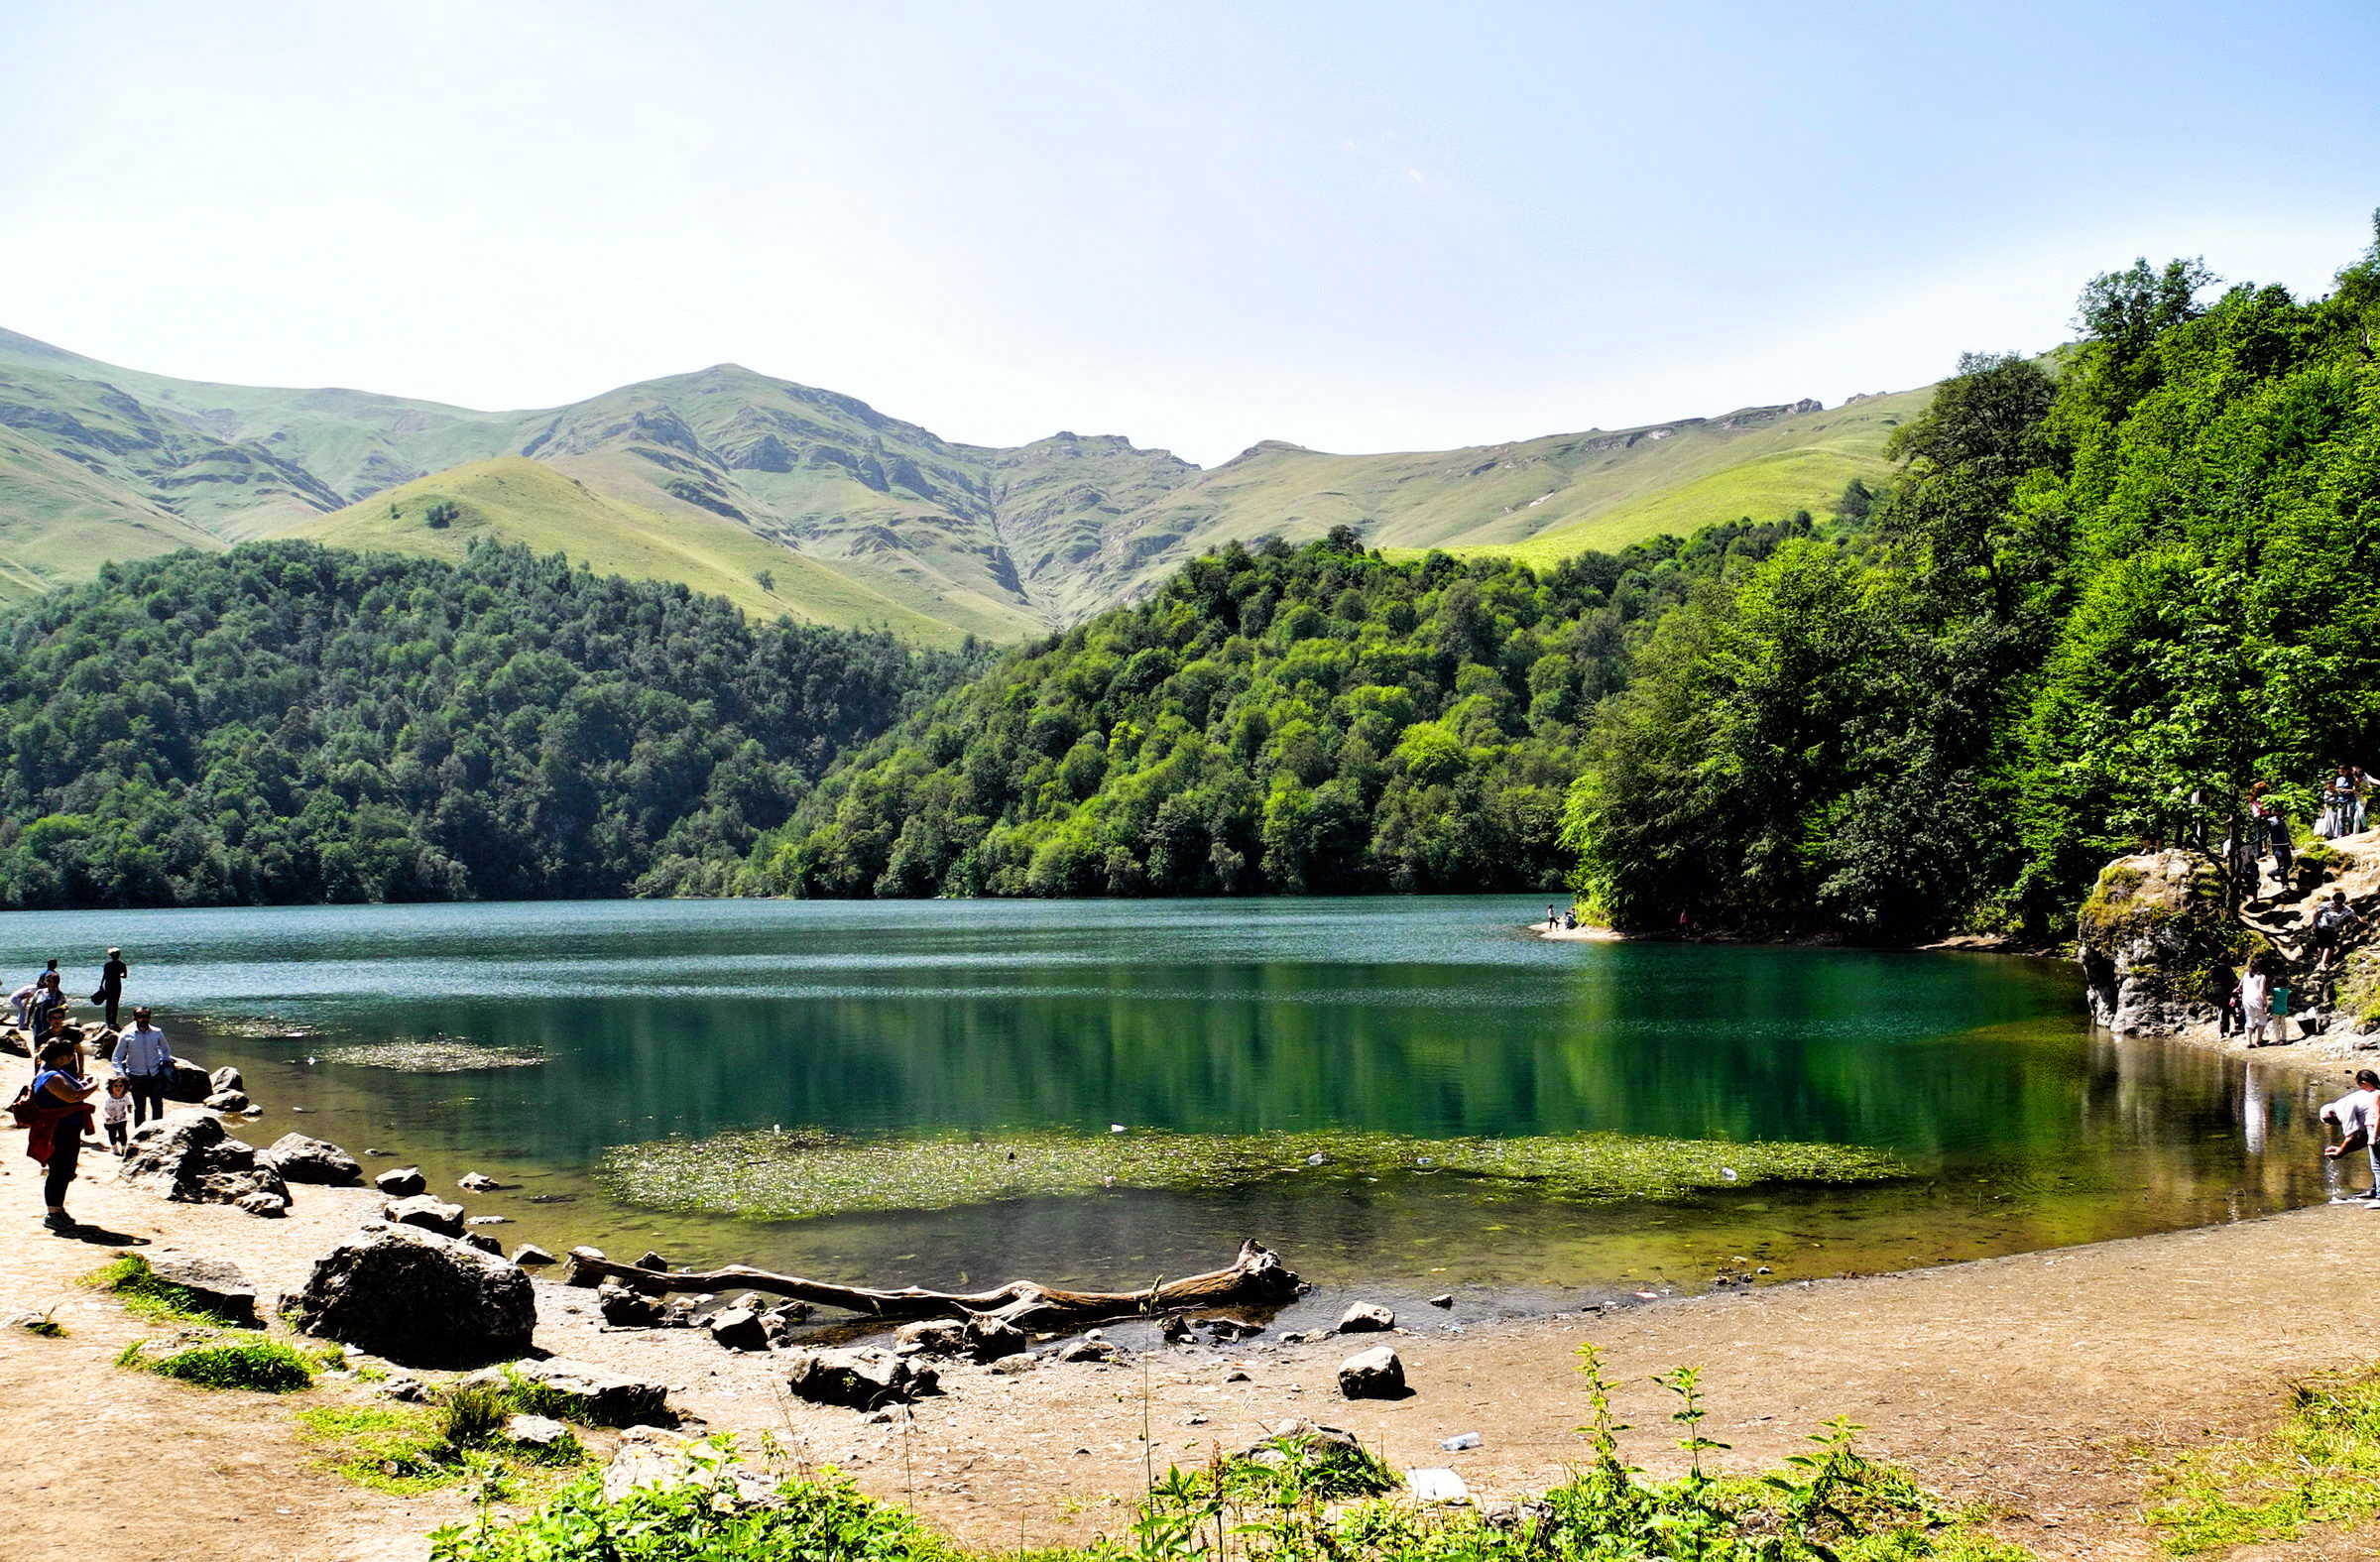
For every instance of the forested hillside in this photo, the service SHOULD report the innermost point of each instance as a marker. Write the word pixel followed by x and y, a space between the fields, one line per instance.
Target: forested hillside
pixel 291 723
pixel 2143 574
pixel 1294 720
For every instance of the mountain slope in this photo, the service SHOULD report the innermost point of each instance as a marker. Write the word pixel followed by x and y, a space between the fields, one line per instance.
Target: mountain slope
pixel 715 477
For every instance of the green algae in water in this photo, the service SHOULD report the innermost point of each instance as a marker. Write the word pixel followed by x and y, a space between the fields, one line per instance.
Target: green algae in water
pixel 806 1173
pixel 434 1057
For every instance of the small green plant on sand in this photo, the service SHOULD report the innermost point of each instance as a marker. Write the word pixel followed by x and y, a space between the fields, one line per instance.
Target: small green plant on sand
pixel 460 1436
pixel 265 1366
pixel 127 1278
pixel 2319 1466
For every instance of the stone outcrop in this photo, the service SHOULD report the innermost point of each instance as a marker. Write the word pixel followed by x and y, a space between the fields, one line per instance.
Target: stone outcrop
pixel 185 1156
pixel 2149 937
pixel 214 1286
pixel 300 1158
pixel 597 1394
pixel 427 1211
pixel 417 1298
pixel 860 1379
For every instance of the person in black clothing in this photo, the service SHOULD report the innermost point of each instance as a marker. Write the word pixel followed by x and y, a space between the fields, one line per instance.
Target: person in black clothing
pixel 2222 991
pixel 111 984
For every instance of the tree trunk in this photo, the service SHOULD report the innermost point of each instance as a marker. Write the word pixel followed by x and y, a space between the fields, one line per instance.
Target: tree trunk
pixel 1257 1277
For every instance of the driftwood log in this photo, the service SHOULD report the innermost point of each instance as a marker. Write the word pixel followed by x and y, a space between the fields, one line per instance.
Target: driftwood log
pixel 1258 1278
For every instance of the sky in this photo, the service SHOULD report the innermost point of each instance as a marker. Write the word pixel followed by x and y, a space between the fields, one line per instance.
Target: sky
pixel 1356 227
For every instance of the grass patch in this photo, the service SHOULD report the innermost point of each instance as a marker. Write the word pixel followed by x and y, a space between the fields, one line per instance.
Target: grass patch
pixel 2321 1466
pixel 127 1278
pixel 407 1450
pixel 804 1174
pixel 264 1366
pixel 1299 1501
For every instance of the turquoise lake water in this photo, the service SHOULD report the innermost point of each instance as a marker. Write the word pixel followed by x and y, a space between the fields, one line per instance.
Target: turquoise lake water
pixel 1431 1017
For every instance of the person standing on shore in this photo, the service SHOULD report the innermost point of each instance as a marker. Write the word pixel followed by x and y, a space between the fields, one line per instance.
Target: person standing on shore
pixel 115 1116
pixel 111 984
pixel 2255 992
pixel 2222 991
pixel 57 1116
pixel 2357 1116
pixel 145 1063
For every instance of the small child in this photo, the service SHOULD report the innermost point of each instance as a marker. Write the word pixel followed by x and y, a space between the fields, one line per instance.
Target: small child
pixel 115 1115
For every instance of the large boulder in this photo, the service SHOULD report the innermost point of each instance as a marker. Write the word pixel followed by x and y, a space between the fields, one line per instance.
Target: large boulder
pixel 739 1329
pixel 860 1379
pixel 300 1158
pixel 227 1078
pixel 417 1298
pixel 186 1081
pixel 186 1156
pixel 214 1286
pixel 2150 937
pixel 1367 1318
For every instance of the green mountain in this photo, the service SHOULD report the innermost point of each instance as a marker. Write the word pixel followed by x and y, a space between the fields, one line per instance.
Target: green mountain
pixel 796 500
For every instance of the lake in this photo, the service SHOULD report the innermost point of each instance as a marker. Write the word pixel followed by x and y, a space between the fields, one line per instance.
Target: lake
pixel 1432 1017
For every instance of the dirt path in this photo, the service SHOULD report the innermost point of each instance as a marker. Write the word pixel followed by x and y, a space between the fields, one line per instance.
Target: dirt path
pixel 2030 1381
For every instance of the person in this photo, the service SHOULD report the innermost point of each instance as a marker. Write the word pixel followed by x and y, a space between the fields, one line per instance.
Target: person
pixel 22 998
pixel 2338 805
pixel 2363 793
pixel 2356 1115
pixel 2334 920
pixel 47 1001
pixel 1569 921
pixel 145 1063
pixel 2222 991
pixel 2277 1004
pixel 1552 919
pixel 111 984
pixel 115 1116
pixel 2255 992
pixel 57 1116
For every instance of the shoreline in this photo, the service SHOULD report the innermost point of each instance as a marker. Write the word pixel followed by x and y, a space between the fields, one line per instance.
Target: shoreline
pixel 1964 1372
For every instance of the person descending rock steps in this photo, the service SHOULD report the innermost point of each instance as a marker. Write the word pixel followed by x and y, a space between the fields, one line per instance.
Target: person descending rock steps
pixel 2335 921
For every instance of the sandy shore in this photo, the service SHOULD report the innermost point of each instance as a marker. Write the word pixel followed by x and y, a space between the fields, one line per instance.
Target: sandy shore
pixel 2029 1381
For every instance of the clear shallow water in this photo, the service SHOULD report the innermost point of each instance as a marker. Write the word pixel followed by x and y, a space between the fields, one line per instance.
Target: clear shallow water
pixel 1429 1017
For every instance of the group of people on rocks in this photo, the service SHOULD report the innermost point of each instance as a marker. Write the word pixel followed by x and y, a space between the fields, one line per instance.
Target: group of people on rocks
pixel 57 1109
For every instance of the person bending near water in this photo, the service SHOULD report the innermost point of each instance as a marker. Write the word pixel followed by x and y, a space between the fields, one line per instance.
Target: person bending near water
pixel 57 1116
pixel 145 1063
pixel 2357 1116
pixel 111 984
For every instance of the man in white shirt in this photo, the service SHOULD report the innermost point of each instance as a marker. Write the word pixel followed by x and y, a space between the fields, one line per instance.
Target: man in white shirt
pixel 145 1063
pixel 2358 1114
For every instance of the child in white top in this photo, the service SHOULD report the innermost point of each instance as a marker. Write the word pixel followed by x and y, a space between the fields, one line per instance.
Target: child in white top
pixel 115 1116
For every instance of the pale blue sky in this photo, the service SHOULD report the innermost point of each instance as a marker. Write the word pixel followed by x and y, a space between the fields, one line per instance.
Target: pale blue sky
pixel 1352 226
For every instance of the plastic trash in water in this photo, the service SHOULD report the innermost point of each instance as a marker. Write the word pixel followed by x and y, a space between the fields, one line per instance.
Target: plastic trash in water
pixel 1115 1127
pixel 1317 1158
pixel 1728 1172
pixel 1459 1442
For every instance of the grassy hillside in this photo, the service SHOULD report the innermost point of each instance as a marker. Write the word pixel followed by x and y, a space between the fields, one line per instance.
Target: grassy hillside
pixel 717 476
pixel 515 500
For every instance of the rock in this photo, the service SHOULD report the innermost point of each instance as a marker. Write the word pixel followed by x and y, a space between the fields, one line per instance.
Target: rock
pixel 1087 1350
pixel 185 1156
pixel 535 1431
pixel 262 1203
pixel 416 1298
pixel 489 1220
pixel 994 1339
pixel 623 1308
pixel 739 1329
pixel 403 1183
pixel 1012 1366
pixel 652 1261
pixel 1436 1485
pixel 2148 935
pixel 186 1081
pixel 227 1078
pixel 1324 1439
pixel 1376 1374
pixel 300 1158
pixel 530 1256
pixel 599 1395
pixel 649 1457
pixel 484 1242
pixel 778 1323
pixel 1226 1331
pixel 1367 1318
pixel 427 1211
pixel 1447 1300
pixel 477 1182
pixel 932 1337
pixel 406 1387
pixel 861 1379
pixel 216 1286
pixel 1175 1328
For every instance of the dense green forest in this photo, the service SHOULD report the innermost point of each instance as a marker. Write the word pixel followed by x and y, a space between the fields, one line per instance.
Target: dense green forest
pixel 1293 720
pixel 2111 590
pixel 291 723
